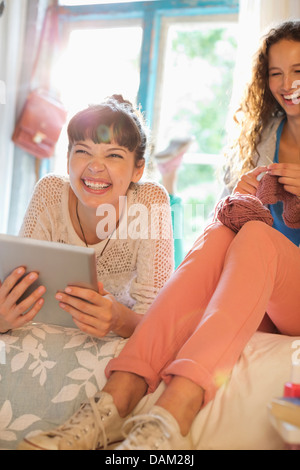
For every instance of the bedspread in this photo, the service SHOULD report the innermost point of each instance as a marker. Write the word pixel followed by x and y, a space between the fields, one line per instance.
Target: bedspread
pixel 46 372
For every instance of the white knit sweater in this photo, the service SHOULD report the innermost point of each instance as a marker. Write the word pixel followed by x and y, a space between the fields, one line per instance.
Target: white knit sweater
pixel 133 270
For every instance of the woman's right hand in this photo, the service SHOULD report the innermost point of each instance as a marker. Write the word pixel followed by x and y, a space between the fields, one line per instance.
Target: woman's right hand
pixel 248 183
pixel 12 313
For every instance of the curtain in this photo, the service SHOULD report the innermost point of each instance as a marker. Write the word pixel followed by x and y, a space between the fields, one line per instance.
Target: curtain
pixel 24 167
pixel 11 39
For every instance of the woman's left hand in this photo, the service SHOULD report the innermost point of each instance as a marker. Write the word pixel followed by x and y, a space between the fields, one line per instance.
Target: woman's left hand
pixel 289 176
pixel 93 312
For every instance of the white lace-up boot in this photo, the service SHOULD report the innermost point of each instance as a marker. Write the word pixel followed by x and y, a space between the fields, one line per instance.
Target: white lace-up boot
pixel 96 425
pixel 157 430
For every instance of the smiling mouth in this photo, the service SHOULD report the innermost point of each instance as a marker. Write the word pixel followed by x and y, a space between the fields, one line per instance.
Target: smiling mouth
pixel 293 97
pixel 96 185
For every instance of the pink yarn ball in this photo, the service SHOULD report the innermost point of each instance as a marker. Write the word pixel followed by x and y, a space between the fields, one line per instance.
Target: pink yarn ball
pixel 235 210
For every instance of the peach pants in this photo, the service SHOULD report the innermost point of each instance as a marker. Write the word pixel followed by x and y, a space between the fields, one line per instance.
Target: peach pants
pixel 207 312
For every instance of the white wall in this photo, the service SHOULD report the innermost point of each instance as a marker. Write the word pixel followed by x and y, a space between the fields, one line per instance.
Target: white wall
pixel 275 11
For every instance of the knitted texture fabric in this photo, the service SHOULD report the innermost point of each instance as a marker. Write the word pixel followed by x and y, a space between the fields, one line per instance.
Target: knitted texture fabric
pixel 235 210
pixel 271 191
pixel 131 268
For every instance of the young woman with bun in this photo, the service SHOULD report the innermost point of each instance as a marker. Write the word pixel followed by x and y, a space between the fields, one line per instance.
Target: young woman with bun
pixel 101 204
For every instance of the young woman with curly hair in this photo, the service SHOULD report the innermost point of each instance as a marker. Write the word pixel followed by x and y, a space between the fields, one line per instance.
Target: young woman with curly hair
pixel 268 120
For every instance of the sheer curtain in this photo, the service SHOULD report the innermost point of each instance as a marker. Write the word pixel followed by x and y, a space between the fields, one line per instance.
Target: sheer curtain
pixel 22 176
pixel 12 32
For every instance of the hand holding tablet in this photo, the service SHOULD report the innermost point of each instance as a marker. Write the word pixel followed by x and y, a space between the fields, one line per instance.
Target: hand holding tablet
pixel 50 268
pixel 15 313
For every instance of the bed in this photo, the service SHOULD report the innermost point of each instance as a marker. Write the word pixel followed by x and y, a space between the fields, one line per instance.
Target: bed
pixel 47 371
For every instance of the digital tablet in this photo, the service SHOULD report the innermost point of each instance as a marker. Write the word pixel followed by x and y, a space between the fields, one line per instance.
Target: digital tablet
pixel 58 265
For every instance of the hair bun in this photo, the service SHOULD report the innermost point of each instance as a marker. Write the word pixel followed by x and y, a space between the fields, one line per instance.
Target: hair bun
pixel 120 99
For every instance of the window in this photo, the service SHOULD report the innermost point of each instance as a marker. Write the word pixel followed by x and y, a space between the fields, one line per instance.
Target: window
pixel 176 61
pixel 195 92
pixel 96 63
pixel 96 2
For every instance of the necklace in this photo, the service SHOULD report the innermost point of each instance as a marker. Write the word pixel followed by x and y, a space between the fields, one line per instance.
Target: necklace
pixel 82 232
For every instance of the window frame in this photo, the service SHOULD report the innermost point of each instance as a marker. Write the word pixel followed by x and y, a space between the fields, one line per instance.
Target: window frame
pixel 153 16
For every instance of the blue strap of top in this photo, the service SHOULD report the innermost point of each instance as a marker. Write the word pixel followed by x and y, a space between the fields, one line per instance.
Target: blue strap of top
pixel 276 209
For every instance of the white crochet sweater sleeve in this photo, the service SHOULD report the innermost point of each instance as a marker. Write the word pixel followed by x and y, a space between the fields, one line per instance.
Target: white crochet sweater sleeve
pixel 154 256
pixel 134 268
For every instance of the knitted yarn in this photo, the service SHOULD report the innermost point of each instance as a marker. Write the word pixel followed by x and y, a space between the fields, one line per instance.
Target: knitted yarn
pixel 235 210
pixel 270 191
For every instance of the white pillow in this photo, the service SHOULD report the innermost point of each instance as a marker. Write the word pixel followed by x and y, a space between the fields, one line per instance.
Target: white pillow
pixel 237 418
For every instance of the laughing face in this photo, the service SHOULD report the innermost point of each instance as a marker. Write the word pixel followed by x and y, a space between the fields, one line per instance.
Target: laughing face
pixel 284 75
pixel 101 173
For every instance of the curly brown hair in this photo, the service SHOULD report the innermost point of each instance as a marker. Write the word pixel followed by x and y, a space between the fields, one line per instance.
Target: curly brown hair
pixel 258 104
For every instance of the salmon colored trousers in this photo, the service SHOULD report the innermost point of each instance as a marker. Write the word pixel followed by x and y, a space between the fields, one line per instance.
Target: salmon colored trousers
pixel 206 313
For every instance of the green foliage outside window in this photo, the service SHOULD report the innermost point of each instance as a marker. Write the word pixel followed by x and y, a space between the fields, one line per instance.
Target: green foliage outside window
pixel 215 47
